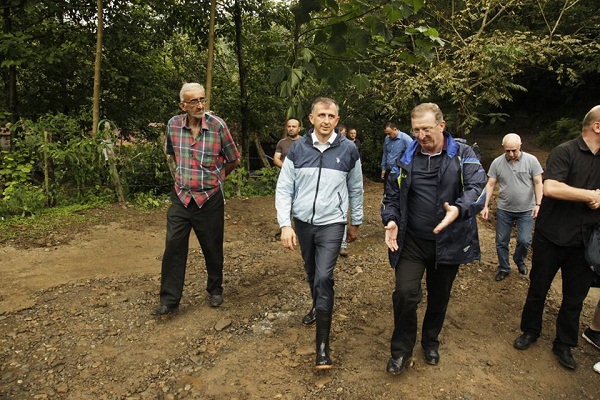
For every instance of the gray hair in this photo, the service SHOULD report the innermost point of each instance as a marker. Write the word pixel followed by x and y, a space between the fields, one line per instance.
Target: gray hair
pixel 428 107
pixel 189 87
pixel 324 100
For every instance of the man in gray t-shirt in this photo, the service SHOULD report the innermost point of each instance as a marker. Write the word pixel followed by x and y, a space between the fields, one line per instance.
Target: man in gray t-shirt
pixel 520 191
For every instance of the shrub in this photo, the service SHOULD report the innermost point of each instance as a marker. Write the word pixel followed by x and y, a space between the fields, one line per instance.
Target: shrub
pixel 562 130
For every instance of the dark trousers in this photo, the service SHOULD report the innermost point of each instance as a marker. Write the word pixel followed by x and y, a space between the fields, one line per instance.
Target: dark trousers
pixel 320 247
pixel 417 257
pixel 208 223
pixel 547 259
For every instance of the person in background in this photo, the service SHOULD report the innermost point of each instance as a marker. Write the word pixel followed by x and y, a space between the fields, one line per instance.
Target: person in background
pixel 292 128
pixel 570 209
pixel 395 143
pixel 429 213
pixel 204 153
pixel 344 246
pixel 519 175
pixel 352 136
pixel 321 178
pixel 592 333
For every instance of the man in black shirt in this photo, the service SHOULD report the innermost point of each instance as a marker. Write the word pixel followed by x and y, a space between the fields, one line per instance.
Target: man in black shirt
pixel 570 208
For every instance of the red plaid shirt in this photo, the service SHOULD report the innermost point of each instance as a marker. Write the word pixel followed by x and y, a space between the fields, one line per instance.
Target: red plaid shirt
pixel 200 161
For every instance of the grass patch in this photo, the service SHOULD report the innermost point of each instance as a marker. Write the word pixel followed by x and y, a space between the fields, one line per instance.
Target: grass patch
pixel 58 221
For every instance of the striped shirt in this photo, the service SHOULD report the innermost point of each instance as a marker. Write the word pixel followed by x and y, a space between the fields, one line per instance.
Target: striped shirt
pixel 200 162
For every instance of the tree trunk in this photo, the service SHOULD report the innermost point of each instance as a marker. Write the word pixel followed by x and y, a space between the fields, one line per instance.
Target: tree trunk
pixel 211 47
pixel 261 152
pixel 245 111
pixel 12 72
pixel 96 107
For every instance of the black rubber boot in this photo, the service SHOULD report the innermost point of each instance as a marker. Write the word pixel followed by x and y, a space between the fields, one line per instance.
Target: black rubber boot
pixel 323 329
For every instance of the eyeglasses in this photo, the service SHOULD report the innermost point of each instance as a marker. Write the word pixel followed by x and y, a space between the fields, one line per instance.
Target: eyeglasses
pixel 426 130
pixel 195 102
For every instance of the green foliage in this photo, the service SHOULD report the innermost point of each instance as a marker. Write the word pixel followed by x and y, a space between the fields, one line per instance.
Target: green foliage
pixel 258 183
pixel 24 200
pixel 143 168
pixel 148 200
pixel 562 130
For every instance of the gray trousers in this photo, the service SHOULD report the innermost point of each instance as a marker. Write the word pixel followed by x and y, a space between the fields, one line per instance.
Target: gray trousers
pixel 320 247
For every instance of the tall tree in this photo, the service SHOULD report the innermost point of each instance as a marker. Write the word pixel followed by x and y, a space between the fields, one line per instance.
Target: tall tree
pixel 97 68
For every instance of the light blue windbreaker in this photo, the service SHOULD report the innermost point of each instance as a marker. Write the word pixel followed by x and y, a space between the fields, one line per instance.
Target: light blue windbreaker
pixel 316 187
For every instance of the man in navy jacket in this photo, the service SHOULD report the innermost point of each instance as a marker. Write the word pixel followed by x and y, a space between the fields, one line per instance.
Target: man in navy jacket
pixel 429 211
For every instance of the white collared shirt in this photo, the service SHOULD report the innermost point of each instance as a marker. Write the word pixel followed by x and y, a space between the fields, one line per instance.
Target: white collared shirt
pixel 323 146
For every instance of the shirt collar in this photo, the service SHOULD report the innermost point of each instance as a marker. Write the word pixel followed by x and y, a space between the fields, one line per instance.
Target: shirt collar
pixel 316 141
pixel 204 124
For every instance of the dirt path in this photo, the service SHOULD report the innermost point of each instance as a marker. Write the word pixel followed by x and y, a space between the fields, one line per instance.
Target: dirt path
pixel 75 323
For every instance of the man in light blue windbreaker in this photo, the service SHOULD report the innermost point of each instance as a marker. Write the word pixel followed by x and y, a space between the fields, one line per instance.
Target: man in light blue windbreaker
pixel 320 177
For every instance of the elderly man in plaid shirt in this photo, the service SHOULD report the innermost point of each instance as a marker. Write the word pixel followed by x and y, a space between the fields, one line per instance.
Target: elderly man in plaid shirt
pixel 204 153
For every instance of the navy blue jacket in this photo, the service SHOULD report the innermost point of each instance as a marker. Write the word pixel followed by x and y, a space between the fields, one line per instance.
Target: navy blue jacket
pixel 461 182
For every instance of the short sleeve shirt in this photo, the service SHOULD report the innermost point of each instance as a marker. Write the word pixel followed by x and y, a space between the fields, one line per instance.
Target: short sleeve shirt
pixel 569 223
pixel 200 161
pixel 515 181
pixel 283 146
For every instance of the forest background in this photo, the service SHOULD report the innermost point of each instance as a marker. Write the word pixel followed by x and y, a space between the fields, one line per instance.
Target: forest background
pixel 84 104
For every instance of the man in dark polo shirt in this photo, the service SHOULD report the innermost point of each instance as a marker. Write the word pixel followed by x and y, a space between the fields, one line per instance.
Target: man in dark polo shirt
pixel 570 208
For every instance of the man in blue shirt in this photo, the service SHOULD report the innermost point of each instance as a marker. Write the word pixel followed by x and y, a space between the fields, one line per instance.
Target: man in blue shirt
pixel 394 144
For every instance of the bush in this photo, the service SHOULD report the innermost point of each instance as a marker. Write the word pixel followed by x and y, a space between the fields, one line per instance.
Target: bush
pixel 143 168
pixel 562 130
pixel 256 183
pixel 25 200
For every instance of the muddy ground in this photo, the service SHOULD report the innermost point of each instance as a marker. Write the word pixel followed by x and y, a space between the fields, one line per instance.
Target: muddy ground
pixel 75 321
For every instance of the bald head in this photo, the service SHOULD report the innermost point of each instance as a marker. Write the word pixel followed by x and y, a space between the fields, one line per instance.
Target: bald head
pixel 512 146
pixel 511 140
pixel 592 116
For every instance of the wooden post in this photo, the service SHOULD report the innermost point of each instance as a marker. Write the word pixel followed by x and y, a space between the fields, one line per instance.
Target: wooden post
pixel 110 155
pixel 49 195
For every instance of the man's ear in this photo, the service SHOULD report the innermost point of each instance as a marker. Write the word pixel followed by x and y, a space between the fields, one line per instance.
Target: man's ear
pixel 182 106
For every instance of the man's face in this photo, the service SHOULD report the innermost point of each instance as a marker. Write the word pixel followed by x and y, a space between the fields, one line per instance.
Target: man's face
pixel 391 132
pixel 512 150
pixel 193 103
pixel 324 118
pixel 352 134
pixel 428 132
pixel 293 128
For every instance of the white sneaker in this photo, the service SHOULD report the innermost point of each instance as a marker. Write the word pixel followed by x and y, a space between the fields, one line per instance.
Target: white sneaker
pixel 597 367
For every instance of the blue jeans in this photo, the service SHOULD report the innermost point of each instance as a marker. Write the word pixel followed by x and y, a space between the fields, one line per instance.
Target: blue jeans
pixel 504 223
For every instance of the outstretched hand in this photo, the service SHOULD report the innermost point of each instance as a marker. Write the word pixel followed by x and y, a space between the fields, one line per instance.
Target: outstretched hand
pixel 451 215
pixel 391 235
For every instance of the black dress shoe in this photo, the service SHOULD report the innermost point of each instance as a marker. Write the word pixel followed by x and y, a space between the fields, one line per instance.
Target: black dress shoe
pixel 501 275
pixel 395 366
pixel 431 356
pixel 565 358
pixel 523 269
pixel 310 318
pixel 524 341
pixel 215 300
pixel 163 310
